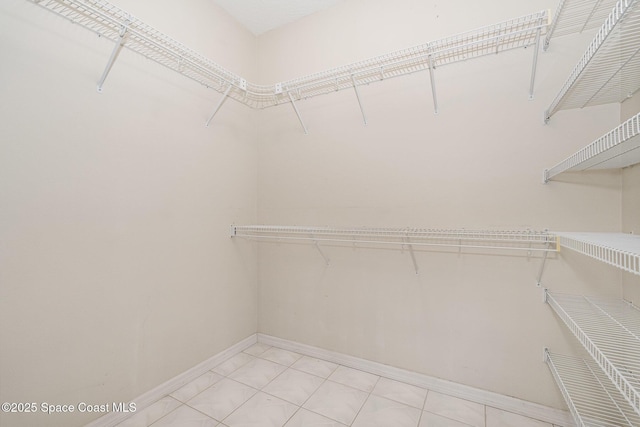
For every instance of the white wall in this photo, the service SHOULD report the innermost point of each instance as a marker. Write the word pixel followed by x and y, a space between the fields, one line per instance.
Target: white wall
pixel 631 201
pixel 116 268
pixel 474 319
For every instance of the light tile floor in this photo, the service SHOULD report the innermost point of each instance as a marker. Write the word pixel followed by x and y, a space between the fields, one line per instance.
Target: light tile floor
pixel 266 386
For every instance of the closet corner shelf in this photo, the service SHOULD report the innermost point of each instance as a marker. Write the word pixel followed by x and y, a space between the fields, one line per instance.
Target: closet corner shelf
pixel 576 16
pixel 616 149
pixel 609 71
pixel 591 397
pixel 617 249
pixel 609 330
pixel 124 30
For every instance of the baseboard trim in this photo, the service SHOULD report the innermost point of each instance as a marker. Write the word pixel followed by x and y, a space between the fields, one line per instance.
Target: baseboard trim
pixel 157 393
pixel 554 416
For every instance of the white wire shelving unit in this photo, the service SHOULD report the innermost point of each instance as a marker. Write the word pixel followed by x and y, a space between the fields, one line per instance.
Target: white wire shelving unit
pixel 577 16
pixel 127 31
pixel 526 241
pixel 590 396
pixel 617 249
pixel 616 149
pixel 609 330
pixel 609 71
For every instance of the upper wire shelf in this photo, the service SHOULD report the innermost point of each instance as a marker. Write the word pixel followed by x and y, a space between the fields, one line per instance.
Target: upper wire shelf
pixel 609 71
pixel 609 330
pixel 591 397
pixel 616 249
pixel 127 31
pixel 516 240
pixel 576 16
pixel 616 149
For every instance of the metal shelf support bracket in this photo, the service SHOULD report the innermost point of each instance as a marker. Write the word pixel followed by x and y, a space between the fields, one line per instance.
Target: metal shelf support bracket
pixel 355 88
pixel 295 108
pixel 322 254
pixel 413 256
pixel 544 260
pixel 535 64
pixel 432 77
pixel 114 55
pixel 224 97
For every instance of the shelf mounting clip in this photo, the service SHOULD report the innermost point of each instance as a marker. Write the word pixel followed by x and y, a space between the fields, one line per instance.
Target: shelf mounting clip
pixel 122 38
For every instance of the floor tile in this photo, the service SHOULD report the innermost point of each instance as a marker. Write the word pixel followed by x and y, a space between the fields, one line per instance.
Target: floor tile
pixel 283 357
pixel 499 418
pixel 152 413
pixel 257 373
pixel 354 378
pixel 380 412
pixel 233 363
pixel 457 409
pixel 262 410
pixel 401 392
pixel 196 386
pixel 304 418
pixel 314 366
pixel 294 386
pixel 257 349
pixel 222 398
pixel 432 420
pixel 336 401
pixel 185 416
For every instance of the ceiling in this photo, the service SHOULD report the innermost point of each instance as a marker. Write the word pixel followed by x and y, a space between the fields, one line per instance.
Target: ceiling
pixel 260 16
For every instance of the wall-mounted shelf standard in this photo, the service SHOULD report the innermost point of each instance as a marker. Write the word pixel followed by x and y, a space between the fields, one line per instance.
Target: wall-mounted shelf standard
pixel 616 249
pixel 576 16
pixel 610 332
pixel 590 396
pixel 616 149
pixel 126 31
pixel 609 71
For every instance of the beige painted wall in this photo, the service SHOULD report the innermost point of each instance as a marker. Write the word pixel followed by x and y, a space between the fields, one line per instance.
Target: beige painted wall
pixel 474 319
pixel 116 268
pixel 631 201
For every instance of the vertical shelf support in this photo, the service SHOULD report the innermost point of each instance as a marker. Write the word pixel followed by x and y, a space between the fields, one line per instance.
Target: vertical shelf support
pixel 355 88
pixel 413 256
pixel 114 55
pixel 432 77
pixel 322 254
pixel 544 260
pixel 293 104
pixel 535 64
pixel 224 97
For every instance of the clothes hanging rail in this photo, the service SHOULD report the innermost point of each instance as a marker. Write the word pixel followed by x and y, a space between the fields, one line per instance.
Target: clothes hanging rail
pixel 527 240
pixel 609 71
pixel 576 16
pixel 616 149
pixel 127 31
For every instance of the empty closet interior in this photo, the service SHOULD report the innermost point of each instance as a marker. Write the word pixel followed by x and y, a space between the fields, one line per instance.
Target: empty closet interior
pixel 449 188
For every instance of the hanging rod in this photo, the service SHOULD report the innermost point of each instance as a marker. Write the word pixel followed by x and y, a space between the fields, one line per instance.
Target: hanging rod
pixel 527 240
pixel 108 21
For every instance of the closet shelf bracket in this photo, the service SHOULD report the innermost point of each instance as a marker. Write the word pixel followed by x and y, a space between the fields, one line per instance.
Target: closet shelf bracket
pixel 355 88
pixel 432 77
pixel 122 36
pixel 536 48
pixel 322 254
pixel 295 108
pixel 224 97
pixel 413 256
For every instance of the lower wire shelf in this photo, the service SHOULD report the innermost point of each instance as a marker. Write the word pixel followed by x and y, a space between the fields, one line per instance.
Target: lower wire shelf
pixel 592 398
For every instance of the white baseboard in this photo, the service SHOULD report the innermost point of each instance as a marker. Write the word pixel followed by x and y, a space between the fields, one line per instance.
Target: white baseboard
pixel 554 416
pixel 152 396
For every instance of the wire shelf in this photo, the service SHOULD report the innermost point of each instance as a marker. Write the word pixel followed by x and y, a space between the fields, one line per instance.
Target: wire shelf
pixel 610 332
pixel 616 149
pixel 111 22
pixel 576 16
pixel 591 397
pixel 513 240
pixel 616 249
pixel 609 71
